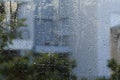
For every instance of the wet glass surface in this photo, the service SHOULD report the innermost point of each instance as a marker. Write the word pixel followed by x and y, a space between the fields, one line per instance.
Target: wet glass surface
pixel 59 39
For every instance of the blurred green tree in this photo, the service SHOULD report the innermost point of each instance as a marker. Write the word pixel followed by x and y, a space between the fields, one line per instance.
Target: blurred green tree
pixel 9 24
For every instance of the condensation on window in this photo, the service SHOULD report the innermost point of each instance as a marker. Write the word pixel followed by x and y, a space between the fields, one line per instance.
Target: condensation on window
pixel 59 39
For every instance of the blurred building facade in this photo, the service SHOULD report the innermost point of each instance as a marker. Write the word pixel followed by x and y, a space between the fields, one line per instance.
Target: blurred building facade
pixel 80 27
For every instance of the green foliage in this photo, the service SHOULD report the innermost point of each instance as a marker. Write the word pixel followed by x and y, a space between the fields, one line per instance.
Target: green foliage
pixel 115 67
pixel 9 28
pixel 102 78
pixel 84 79
pixel 42 67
